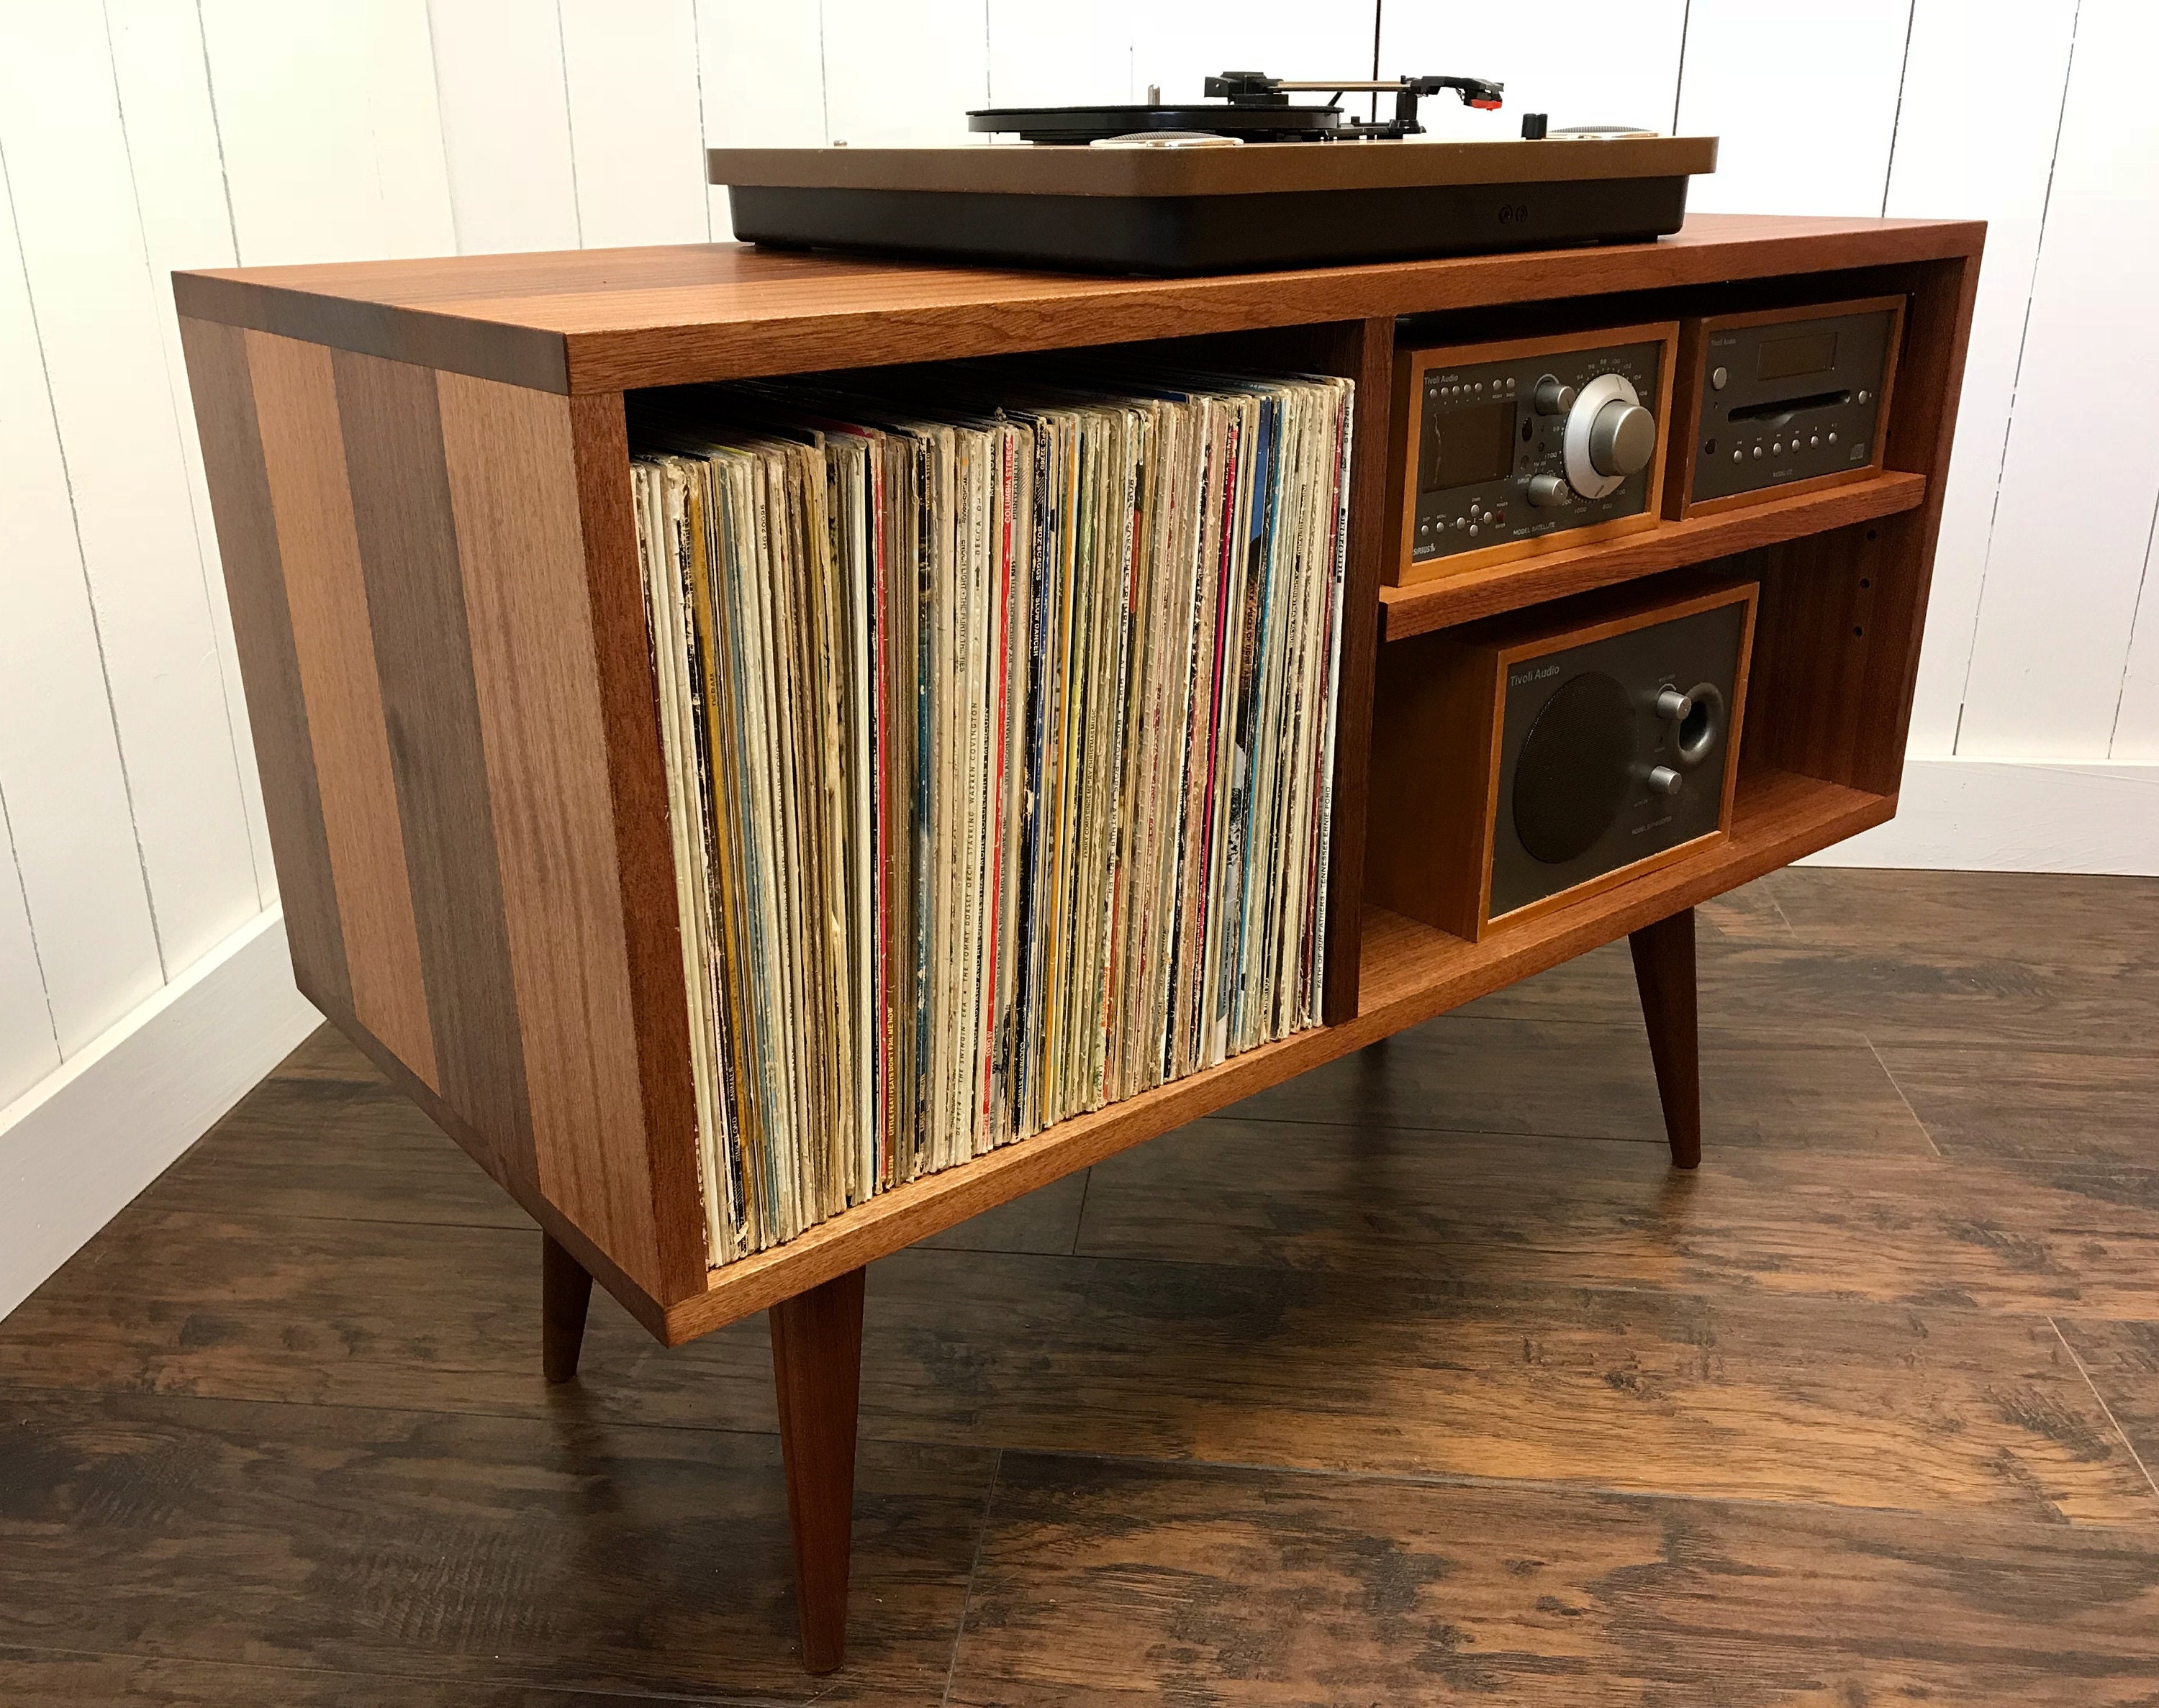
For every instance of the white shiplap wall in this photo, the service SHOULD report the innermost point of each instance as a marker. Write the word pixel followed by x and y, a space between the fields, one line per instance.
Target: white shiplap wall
pixel 139 136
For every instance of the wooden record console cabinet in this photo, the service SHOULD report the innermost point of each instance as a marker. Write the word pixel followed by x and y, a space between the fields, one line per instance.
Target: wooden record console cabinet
pixel 420 476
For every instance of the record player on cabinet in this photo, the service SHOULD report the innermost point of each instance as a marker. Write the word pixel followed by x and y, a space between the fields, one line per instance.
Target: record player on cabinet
pixel 1262 179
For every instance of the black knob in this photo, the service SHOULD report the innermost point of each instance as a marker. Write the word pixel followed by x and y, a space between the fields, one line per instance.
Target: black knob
pixel 1552 396
pixel 1533 126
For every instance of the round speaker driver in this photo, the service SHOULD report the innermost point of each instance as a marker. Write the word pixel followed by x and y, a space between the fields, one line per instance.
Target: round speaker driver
pixel 1572 775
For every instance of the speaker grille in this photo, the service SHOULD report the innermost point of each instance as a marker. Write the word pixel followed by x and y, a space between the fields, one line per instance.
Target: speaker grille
pixel 1576 763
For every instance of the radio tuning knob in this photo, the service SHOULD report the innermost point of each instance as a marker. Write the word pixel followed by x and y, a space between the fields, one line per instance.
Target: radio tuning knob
pixel 1546 490
pixel 1553 398
pixel 1673 706
pixel 1622 439
pixel 1664 780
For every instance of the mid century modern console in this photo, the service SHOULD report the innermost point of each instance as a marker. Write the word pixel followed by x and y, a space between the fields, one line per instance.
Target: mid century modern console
pixel 420 472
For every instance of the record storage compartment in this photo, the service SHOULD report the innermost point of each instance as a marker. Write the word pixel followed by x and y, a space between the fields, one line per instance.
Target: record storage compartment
pixel 420 476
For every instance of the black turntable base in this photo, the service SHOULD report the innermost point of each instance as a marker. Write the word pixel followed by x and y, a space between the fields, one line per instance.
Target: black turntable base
pixel 1263 204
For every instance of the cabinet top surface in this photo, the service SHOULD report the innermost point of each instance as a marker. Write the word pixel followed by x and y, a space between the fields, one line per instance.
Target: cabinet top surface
pixel 603 319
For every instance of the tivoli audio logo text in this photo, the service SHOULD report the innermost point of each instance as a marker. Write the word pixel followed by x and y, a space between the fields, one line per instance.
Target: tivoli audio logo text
pixel 1516 681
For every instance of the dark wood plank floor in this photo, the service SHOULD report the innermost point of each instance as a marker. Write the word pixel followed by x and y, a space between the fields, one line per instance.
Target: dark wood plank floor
pixel 1420 1379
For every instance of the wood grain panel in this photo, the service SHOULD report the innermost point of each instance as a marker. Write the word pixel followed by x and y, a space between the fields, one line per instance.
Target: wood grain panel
pixel 303 456
pixel 513 488
pixel 262 631
pixel 600 320
pixel 1113 1583
pixel 408 533
pixel 644 844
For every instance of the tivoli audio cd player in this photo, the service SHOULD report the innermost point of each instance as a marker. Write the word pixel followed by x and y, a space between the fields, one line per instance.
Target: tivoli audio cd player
pixel 1501 450
pixel 1784 401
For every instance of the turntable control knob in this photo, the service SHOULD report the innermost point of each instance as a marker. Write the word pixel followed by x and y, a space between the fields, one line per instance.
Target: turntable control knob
pixel 1664 780
pixel 1553 397
pixel 1622 439
pixel 1546 490
pixel 1673 706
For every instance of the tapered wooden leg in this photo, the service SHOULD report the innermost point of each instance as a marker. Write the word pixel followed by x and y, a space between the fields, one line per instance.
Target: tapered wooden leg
pixel 1664 975
pixel 565 1292
pixel 817 1363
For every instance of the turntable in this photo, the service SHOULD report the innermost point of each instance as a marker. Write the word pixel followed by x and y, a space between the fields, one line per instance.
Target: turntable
pixel 1260 180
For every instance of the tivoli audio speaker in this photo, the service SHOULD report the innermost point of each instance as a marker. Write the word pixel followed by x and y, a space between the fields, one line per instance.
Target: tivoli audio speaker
pixel 1522 763
pixel 1501 451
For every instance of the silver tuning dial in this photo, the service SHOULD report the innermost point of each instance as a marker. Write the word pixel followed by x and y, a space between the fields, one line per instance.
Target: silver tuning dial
pixel 1609 435
pixel 1547 490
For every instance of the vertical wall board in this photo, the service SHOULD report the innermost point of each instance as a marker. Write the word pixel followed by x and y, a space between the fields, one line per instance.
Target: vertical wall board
pixel 1061 55
pixel 323 110
pixel 635 125
pixel 1583 63
pixel 1178 46
pixel 97 318
pixel 903 74
pixel 1805 103
pixel 1982 98
pixel 505 115
pixel 760 80
pixel 2075 518
pixel 404 119
pixel 2136 722
pixel 30 1047
pixel 163 82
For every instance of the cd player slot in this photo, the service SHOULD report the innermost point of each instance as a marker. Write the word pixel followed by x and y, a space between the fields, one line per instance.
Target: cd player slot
pixel 1787 407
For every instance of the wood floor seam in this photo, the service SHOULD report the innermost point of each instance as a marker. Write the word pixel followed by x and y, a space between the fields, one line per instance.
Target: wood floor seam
pixel 2136 1457
pixel 974 1570
pixel 1925 1132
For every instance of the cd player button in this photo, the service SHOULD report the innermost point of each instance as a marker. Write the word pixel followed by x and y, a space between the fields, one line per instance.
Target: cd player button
pixel 1832 439
pixel 1757 450
pixel 1721 378
pixel 1867 397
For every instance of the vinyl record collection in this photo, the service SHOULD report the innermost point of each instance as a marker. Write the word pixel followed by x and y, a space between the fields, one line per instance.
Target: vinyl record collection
pixel 998 710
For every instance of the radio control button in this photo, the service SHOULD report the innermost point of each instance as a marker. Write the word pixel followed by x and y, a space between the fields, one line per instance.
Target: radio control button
pixel 1622 439
pixel 1553 397
pixel 1473 530
pixel 1546 490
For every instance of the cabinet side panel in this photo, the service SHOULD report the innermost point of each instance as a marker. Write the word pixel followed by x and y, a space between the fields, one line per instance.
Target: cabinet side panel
pixel 303 454
pixel 644 848
pixel 513 485
pixel 407 542
pixel 262 632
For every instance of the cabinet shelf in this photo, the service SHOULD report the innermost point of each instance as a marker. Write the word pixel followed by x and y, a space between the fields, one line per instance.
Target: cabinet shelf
pixel 1421 607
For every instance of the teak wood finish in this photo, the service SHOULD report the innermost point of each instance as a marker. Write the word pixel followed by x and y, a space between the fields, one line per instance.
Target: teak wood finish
pixel 420 479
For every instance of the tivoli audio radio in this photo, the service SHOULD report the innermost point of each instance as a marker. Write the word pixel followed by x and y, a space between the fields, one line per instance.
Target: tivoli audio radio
pixel 1501 450
pixel 1534 759
pixel 1784 401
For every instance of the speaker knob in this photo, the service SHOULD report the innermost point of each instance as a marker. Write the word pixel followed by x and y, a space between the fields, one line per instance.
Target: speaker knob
pixel 1546 490
pixel 1622 439
pixel 1673 707
pixel 1553 397
pixel 1664 780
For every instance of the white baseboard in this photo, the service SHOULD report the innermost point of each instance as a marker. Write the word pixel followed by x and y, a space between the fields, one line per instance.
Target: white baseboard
pixel 2016 815
pixel 85 1140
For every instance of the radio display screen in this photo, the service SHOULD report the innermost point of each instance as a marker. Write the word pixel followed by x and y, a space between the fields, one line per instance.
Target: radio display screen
pixel 1466 446
pixel 1788 358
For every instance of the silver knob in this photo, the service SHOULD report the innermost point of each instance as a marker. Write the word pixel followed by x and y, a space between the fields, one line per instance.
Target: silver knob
pixel 1546 490
pixel 1553 398
pixel 1622 439
pixel 1664 780
pixel 1674 706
